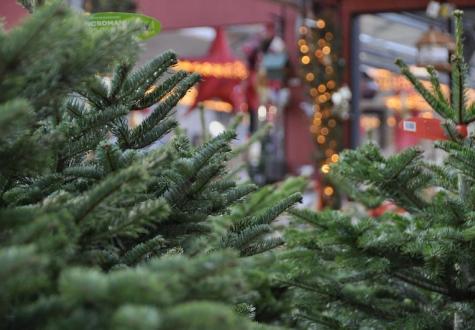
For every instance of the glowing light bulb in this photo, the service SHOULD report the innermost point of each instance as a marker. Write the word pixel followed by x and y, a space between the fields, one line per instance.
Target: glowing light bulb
pixel 304 49
pixel 325 169
pixel 328 191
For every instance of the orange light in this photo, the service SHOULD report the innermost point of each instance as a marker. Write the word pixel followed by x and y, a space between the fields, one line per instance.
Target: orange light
pixel 320 24
pixel 318 53
pixel 326 50
pixel 322 99
pixel 325 131
pixel 328 191
pixel 331 84
pixel 305 59
pixel 335 158
pixel 309 76
pixel 219 106
pixel 231 70
pixel 303 29
pixel 321 139
pixel 304 49
pixel 321 42
pixel 325 169
pixel 391 121
pixel 322 88
pixel 301 42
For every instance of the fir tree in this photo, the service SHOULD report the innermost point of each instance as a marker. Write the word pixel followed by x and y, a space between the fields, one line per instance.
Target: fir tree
pixel 412 270
pixel 99 229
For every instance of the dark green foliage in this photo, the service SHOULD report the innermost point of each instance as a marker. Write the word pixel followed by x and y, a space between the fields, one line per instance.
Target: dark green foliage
pixel 99 227
pixel 410 270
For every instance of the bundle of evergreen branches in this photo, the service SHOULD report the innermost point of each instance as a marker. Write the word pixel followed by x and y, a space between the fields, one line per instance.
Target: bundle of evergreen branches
pixel 411 270
pixel 99 229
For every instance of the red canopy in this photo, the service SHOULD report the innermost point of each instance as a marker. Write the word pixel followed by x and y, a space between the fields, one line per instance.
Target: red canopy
pixel 222 74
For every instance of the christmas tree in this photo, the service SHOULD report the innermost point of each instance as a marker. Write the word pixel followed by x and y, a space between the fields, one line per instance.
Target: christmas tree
pixel 413 269
pixel 104 226
pixel 322 67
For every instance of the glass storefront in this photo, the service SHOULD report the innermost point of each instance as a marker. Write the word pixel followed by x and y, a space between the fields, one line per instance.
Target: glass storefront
pixel 385 97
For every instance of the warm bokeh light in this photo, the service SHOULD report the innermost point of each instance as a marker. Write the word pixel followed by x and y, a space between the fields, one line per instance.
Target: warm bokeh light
pixel 310 76
pixel 305 59
pixel 230 70
pixel 304 49
pixel 369 123
pixel 325 169
pixel 335 158
pixel 391 121
pixel 320 24
pixel 303 30
pixel 328 191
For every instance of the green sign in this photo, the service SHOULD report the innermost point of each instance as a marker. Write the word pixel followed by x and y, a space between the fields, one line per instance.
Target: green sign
pixel 110 20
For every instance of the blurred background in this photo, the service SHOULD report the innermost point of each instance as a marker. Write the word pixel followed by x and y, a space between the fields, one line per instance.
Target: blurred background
pixel 320 71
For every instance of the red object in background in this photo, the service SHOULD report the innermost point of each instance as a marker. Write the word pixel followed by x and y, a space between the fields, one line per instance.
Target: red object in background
pixel 423 128
pixel 385 207
pixel 225 89
pixel 12 13
pixel 462 130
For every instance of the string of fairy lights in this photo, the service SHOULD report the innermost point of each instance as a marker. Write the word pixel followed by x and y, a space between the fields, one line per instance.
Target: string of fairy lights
pixel 321 73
